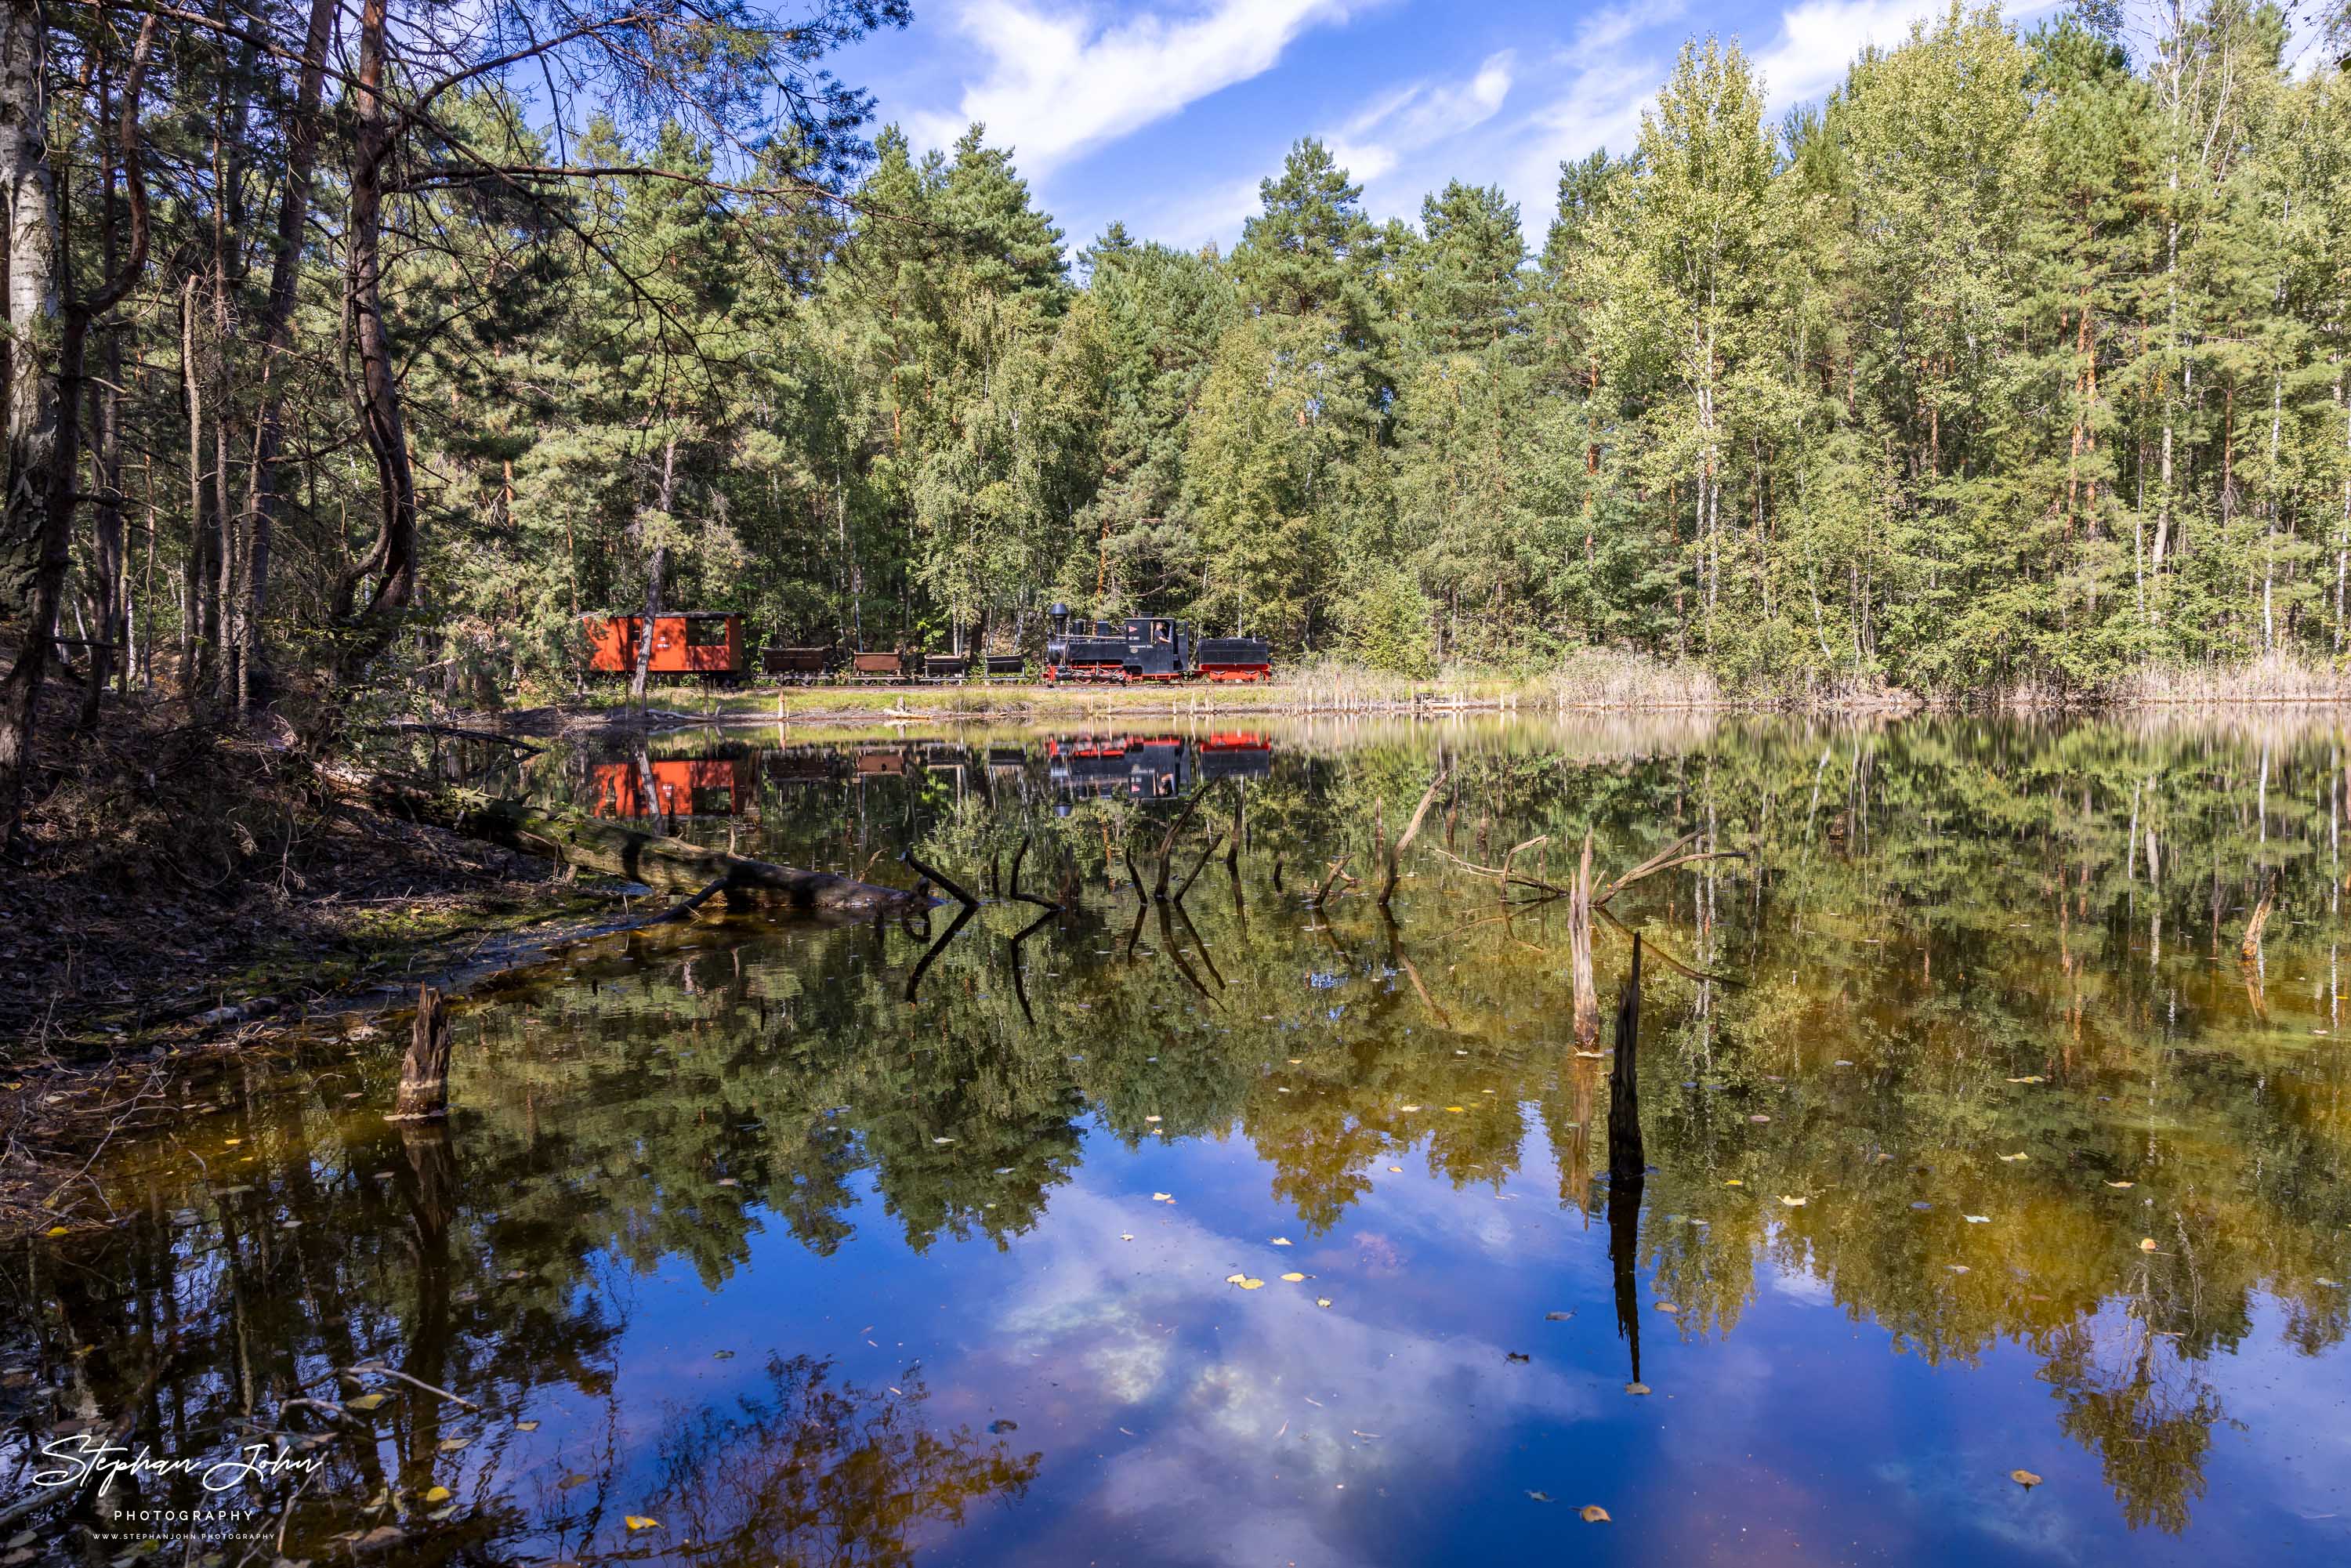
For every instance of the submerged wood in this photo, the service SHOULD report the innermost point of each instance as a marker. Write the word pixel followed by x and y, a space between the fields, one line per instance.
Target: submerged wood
pixel 423 1092
pixel 2250 949
pixel 575 839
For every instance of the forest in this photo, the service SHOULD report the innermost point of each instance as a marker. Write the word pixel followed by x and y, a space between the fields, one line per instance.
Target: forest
pixel 355 349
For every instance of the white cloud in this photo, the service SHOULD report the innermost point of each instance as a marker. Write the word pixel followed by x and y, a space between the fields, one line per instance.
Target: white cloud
pixel 1062 80
pixel 1420 116
pixel 1819 38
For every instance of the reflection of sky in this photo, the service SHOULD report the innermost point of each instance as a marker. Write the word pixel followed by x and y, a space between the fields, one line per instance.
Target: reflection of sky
pixel 1182 1420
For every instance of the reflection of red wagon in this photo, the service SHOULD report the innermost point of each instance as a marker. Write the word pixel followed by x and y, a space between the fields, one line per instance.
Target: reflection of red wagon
pixel 681 787
pixel 697 642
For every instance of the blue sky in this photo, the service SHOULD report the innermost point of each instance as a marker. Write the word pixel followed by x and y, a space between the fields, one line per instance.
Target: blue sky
pixel 1167 113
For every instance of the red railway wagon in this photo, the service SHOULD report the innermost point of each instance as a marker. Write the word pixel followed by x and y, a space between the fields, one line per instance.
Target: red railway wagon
pixel 681 786
pixel 694 642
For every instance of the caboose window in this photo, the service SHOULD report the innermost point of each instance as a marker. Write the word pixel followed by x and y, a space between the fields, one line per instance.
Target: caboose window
pixel 706 634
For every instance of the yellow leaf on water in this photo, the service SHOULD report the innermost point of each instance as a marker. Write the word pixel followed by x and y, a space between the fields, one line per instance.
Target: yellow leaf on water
pixel 1455 1109
pixel 2024 1479
pixel 2010 1159
pixel 57 1230
pixel 526 1425
pixel 1595 1514
pixel 1395 1170
pixel 639 1521
pixel 451 1445
pixel 1322 1301
pixel 1293 1278
pixel 1162 1198
pixel 1127 1236
pixel 1734 1181
pixel 1244 1281
pixel 2122 1184
pixel 1280 1241
pixel 1636 1388
pixel 2029 1078
pixel 364 1402
pixel 1408 1107
pixel 1793 1202
pixel 2147 1243
pixel 437 1494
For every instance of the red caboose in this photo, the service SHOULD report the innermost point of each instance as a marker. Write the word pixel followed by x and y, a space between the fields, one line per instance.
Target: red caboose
pixel 694 642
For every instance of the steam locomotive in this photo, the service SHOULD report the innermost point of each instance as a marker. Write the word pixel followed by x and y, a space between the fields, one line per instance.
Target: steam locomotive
pixel 1148 648
pixel 1148 767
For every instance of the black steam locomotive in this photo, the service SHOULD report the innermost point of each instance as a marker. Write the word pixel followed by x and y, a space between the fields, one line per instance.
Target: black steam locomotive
pixel 1148 648
pixel 1148 767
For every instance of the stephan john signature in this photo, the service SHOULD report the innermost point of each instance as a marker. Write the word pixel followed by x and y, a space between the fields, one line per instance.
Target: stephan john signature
pixel 85 1454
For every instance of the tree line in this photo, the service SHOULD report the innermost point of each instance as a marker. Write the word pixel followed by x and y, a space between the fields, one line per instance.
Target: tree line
pixel 355 346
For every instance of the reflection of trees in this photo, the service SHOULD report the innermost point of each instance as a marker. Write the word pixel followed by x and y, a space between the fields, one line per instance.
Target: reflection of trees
pixel 808 1472
pixel 2147 1416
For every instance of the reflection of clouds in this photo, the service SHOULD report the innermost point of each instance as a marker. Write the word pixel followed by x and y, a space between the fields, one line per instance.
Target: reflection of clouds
pixel 1265 1407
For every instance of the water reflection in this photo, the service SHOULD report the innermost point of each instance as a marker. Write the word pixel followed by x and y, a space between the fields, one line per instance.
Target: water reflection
pixel 1992 1093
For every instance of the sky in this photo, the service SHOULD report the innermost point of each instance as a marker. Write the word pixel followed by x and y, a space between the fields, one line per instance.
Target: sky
pixel 1166 113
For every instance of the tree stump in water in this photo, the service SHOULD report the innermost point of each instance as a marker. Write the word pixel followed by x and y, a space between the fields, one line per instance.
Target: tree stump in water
pixel 423 1093
pixel 1627 1158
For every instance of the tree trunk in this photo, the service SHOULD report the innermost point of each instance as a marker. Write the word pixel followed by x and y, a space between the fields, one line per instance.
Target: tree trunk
pixel 1579 939
pixel 391 560
pixel 654 570
pixel 32 559
pixel 573 838
pixel 276 335
pixel 1627 1158
pixel 423 1093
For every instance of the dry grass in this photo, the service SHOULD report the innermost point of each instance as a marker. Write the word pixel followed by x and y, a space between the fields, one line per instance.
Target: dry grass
pixel 2273 678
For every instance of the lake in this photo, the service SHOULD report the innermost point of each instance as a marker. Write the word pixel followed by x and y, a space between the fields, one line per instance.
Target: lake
pixel 1246 1229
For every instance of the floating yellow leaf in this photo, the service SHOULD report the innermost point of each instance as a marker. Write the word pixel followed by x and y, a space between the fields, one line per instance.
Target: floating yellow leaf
pixel 1595 1514
pixel 1668 1306
pixel 639 1521
pixel 2024 1479
pixel 1636 1388
pixel 1395 1170
pixel 2010 1159
pixel 1322 1301
pixel 1162 1198
pixel 526 1425
pixel 1127 1236
pixel 1408 1107
pixel 1793 1202
pixel 2122 1184
pixel 451 1445
pixel 437 1494
pixel 1734 1181
pixel 1244 1281
pixel 2029 1078
pixel 1455 1109
pixel 1280 1241
pixel 364 1402
pixel 1151 1118
pixel 1293 1278
pixel 57 1230
pixel 2147 1243
pixel 567 1482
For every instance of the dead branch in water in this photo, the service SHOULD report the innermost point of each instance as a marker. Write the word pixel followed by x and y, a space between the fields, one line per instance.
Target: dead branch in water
pixel 1338 870
pixel 1412 830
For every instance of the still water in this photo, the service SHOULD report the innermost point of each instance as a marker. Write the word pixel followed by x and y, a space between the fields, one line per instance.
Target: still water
pixel 1238 1230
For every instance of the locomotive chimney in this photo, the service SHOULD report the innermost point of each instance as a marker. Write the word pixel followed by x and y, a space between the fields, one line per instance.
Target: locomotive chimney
pixel 1060 617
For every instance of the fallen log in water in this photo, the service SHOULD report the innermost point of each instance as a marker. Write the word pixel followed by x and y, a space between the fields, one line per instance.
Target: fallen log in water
pixel 573 838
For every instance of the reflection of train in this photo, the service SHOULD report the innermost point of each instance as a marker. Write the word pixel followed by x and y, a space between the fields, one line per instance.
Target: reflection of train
pixel 695 643
pixel 1154 767
pixel 1148 648
pixel 676 787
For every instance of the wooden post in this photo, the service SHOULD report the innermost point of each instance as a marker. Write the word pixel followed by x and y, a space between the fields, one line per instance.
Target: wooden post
pixel 423 1094
pixel 2250 949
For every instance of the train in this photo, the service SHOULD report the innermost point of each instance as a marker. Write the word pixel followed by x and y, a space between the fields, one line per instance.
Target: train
pixel 711 643
pixel 1148 768
pixel 1147 648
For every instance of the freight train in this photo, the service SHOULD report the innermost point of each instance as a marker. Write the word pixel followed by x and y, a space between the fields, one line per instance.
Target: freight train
pixel 1148 648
